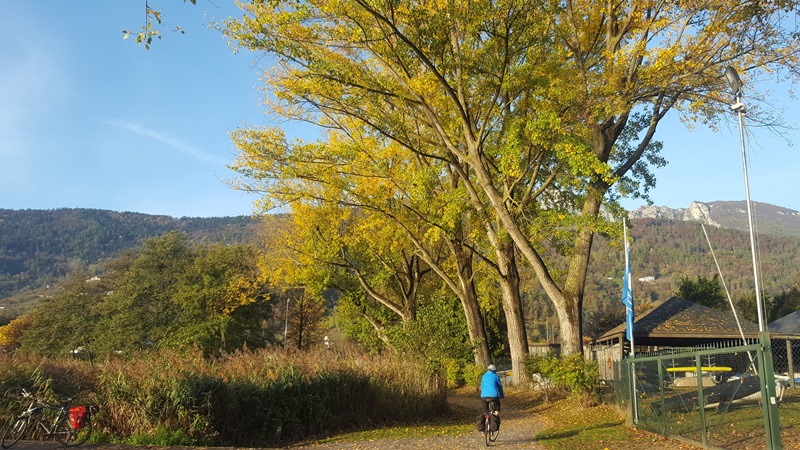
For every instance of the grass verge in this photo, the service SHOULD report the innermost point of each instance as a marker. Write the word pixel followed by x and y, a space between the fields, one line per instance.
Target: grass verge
pixel 572 426
pixel 454 423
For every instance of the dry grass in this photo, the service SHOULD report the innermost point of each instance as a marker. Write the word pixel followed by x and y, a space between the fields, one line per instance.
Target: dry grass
pixel 245 398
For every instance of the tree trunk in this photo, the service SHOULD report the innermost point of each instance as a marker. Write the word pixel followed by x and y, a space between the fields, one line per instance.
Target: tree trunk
pixel 469 301
pixel 512 308
pixel 564 307
pixel 575 283
pixel 569 323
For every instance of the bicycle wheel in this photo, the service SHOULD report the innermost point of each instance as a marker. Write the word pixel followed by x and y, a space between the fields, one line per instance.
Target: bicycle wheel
pixel 487 429
pixel 14 431
pixel 492 435
pixel 68 436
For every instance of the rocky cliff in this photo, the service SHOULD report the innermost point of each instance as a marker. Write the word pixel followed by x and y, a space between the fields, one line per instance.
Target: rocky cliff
pixel 769 219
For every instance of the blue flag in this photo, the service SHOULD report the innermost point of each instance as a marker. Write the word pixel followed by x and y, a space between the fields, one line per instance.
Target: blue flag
pixel 627 294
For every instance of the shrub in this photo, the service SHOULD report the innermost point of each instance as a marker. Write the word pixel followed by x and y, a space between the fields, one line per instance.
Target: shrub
pixel 573 373
pixel 473 374
pixel 453 372
pixel 576 374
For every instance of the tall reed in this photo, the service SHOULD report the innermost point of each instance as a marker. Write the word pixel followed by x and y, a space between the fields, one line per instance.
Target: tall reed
pixel 241 399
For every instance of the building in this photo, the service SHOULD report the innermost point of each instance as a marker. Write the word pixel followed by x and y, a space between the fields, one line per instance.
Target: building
pixel 679 323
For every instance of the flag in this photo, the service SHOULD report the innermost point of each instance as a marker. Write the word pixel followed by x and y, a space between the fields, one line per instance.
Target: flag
pixel 627 292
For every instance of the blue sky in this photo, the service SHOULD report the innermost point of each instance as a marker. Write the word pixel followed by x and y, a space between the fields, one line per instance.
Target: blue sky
pixel 89 120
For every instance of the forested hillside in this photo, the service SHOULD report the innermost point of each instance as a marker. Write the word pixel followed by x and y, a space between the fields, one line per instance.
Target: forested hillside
pixel 37 247
pixel 663 252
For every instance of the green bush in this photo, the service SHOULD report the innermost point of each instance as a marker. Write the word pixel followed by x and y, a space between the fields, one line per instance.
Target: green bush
pixel 577 374
pixel 453 372
pixel 473 374
pixel 573 373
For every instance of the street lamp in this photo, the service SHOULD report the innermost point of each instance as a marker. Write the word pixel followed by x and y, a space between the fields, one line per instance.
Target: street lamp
pixel 734 82
pixel 736 86
pixel 767 378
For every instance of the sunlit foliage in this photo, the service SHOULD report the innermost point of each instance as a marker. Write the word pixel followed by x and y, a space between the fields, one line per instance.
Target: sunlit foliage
pixel 165 294
pixel 530 116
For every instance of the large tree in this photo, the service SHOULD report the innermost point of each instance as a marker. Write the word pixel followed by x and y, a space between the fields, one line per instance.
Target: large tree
pixel 528 102
pixel 62 324
pixel 704 291
pixel 342 186
pixel 168 294
pixel 350 250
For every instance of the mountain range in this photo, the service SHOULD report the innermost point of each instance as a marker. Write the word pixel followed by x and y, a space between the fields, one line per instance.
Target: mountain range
pixel 769 219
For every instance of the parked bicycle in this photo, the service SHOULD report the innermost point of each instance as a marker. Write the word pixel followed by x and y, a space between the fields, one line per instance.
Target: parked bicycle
pixel 70 426
pixel 491 425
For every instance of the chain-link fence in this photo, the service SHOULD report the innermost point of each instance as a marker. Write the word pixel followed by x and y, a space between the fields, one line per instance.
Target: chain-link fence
pixel 786 360
pixel 714 396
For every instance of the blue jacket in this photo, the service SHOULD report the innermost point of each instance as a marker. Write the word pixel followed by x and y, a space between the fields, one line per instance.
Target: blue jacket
pixel 491 385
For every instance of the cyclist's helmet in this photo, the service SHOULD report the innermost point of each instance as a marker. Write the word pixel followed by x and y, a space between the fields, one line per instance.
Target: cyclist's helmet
pixel 492 368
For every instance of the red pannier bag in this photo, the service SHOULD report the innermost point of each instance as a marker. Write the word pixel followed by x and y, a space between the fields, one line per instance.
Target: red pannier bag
pixel 77 415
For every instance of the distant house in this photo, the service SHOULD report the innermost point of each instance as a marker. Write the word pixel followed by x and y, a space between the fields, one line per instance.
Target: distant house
pixel 544 349
pixel 649 279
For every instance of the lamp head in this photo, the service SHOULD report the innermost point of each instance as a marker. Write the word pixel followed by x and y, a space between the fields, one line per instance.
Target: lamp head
pixel 734 81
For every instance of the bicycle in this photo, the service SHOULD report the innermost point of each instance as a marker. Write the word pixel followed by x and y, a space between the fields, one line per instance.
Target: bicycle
pixel 70 426
pixel 489 435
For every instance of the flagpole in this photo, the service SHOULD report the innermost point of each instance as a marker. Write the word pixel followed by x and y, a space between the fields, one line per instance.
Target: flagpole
pixel 629 285
pixel 627 299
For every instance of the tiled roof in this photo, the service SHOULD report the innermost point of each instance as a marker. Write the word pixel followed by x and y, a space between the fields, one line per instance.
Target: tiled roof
pixel 789 324
pixel 679 318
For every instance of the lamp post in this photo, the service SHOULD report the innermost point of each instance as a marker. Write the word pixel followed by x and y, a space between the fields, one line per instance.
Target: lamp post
pixel 766 374
pixel 736 86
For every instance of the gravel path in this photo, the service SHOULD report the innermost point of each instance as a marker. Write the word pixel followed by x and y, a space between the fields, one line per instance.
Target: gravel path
pixel 517 430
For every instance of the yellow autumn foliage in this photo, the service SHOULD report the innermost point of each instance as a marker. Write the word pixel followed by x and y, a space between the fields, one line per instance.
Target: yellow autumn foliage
pixel 519 116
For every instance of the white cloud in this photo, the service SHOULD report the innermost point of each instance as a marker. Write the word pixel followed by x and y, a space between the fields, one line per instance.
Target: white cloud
pixel 178 144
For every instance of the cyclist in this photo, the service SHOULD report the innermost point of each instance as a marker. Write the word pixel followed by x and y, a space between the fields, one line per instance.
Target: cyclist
pixel 491 389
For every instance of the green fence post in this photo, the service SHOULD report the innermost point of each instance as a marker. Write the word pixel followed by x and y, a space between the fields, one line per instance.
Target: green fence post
pixel 790 363
pixel 701 401
pixel 662 395
pixel 771 420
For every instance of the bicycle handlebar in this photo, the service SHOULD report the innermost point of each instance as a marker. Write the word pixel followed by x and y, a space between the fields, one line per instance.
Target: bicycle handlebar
pixel 64 401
